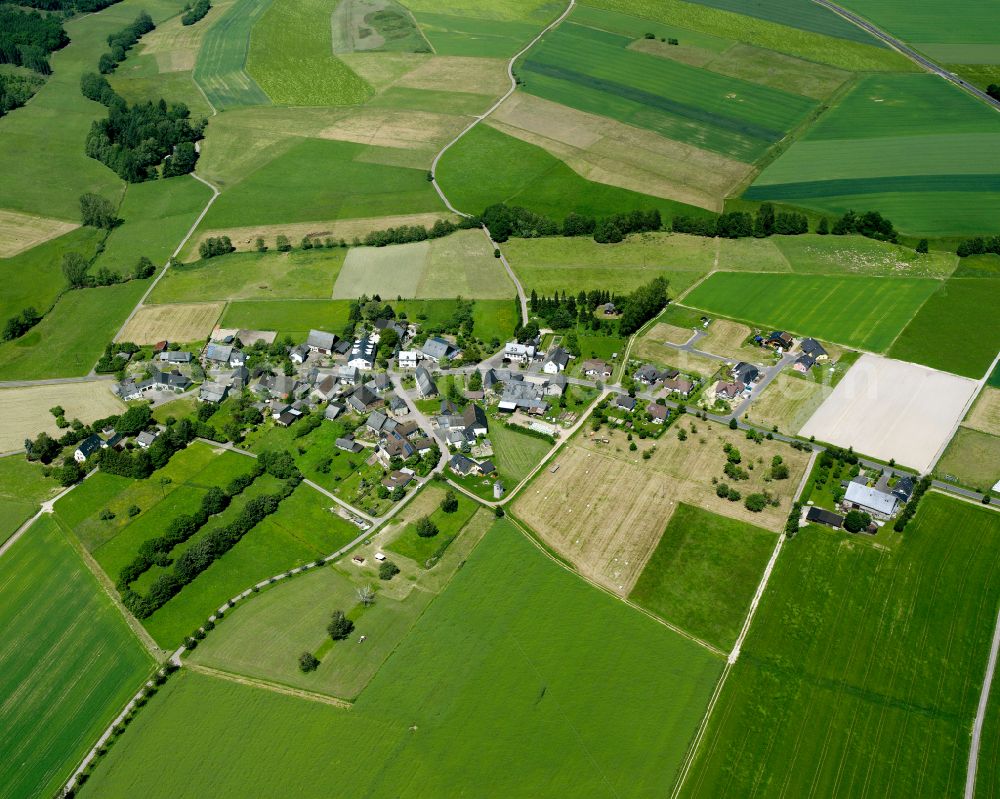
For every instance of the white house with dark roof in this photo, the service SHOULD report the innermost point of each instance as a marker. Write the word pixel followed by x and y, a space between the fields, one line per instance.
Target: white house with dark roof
pixel 298 353
pixel 362 355
pixel 425 384
pixel 87 447
pixel 438 349
pixel 515 351
pixel 556 361
pixel 408 359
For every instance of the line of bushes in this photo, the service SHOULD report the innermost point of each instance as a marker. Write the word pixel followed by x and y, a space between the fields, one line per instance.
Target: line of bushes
pixel 20 324
pixel 979 246
pixel 195 12
pixel 529 432
pixel 124 40
pixel 908 512
pixel 205 552
pixel 155 551
pixel 213 246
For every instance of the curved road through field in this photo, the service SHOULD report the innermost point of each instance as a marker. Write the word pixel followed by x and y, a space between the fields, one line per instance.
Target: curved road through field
pixel 434 164
pixel 909 52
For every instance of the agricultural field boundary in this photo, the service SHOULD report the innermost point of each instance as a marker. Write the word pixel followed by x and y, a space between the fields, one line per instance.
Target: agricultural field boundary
pixel 977 727
pixel 965 411
pixel 267 685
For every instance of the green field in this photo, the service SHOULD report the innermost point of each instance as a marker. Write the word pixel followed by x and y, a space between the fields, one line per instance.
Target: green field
pixel 857 311
pixel 487 166
pixel 459 265
pixel 988 772
pixel 291 57
pixel 34 277
pixel 322 180
pixel 972 458
pixel 911 146
pixel 515 453
pixel 68 664
pixel 22 488
pixel 299 274
pixel 802 14
pixel 220 69
pixel 828 255
pixel 455 35
pixel 849 55
pixel 850 655
pixel 516 658
pixel 593 70
pixel 703 573
pixel 56 348
pixel 410 545
pixel 954 313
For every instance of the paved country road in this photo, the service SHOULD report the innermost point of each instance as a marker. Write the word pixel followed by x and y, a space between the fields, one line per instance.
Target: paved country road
pixel 909 52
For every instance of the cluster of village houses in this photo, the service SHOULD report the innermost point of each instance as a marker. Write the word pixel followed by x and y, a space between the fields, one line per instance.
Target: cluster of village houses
pixel 744 376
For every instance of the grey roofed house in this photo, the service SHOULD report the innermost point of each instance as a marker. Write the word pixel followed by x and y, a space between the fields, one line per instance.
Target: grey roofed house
pixel 407 428
pixel 348 375
pixel 397 479
pixel 447 407
pixel 598 368
pixel 811 346
pixel 625 401
pixel 871 499
pixel 382 382
pixel 321 341
pixel 681 385
pixel 396 445
pixel 487 467
pixel 362 353
pixel 462 465
pixel 526 396
pixel 364 396
pixel 648 374
pixel 425 385
pixel 287 418
pixel 398 406
pixel 342 347
pixel 348 444
pixel 658 412
pixel 422 445
pixel 804 363
pixel 145 438
pixel 555 361
pixel 213 392
pixel 556 385
pixel 179 356
pixel 376 421
pixel 823 516
pixel 474 419
pixel 166 380
pixel 459 437
pixel 326 387
pixel 128 390
pixel 298 353
pixel 438 349
pixel 333 410
pixel 278 385
pixel 391 324
pixel 218 353
pixel 241 373
pixel 746 373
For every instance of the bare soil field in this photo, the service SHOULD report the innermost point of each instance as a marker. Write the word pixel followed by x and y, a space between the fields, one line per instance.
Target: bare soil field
pixel 985 414
pixel 893 409
pixel 459 74
pixel 616 154
pixel 651 347
pixel 671 333
pixel 174 322
pixel 244 238
pixel 788 403
pixel 725 338
pixel 20 232
pixel 24 412
pixel 382 127
pixel 604 508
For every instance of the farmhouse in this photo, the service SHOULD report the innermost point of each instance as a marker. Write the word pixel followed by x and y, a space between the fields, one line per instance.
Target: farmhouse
pixel 348 375
pixel 237 359
pixel 526 396
pixel 87 447
pixel 128 390
pixel 658 413
pixel 827 517
pixel 745 373
pixel 324 387
pixel 556 386
pixel 361 399
pixel 178 356
pixel 162 381
pixel 362 355
pixel 555 361
pixel 596 369
pixel 494 379
pixel 298 353
pixel 439 349
pixel 903 489
pixel 408 359
pixel 218 353
pixel 277 385
pixel 521 353
pixel 321 342
pixel 871 500
pixel 425 385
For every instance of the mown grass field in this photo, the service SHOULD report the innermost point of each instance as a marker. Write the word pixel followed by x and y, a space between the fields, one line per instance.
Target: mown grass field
pixel 299 274
pixel 849 654
pixel 988 772
pixel 703 573
pixel 318 179
pixel 220 70
pixel 68 665
pixel 789 401
pixel 410 545
pixel 487 166
pixel 593 70
pixel 189 322
pixel 916 148
pixel 857 255
pixel 291 56
pixel 376 26
pixel 55 347
pixel 515 453
pixel 453 34
pixel 972 458
pixel 20 232
pixel 515 658
pixel 22 488
pixel 857 311
pixel 954 313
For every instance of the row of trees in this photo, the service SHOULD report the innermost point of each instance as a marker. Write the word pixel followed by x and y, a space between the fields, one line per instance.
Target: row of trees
pixel 212 246
pixel 979 246
pixel 195 12
pixel 155 551
pixel 20 324
pixel 506 221
pixel 408 233
pixel 27 38
pixel 124 40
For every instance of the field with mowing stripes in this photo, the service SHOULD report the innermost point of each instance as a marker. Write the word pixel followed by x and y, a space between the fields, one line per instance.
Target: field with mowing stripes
pixel 22 487
pixel 220 68
pixel 516 650
pixel 703 573
pixel 68 662
pixel 912 146
pixel 865 312
pixel 850 654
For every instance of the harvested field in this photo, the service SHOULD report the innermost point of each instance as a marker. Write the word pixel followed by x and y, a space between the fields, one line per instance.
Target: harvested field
pixel 176 322
pixel 651 346
pixel 892 409
pixel 726 338
pixel 459 74
pixel 788 403
pixel 25 411
pixel 672 333
pixel 382 127
pixel 617 154
pixel 985 414
pixel 604 508
pixel 20 232
pixel 243 238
